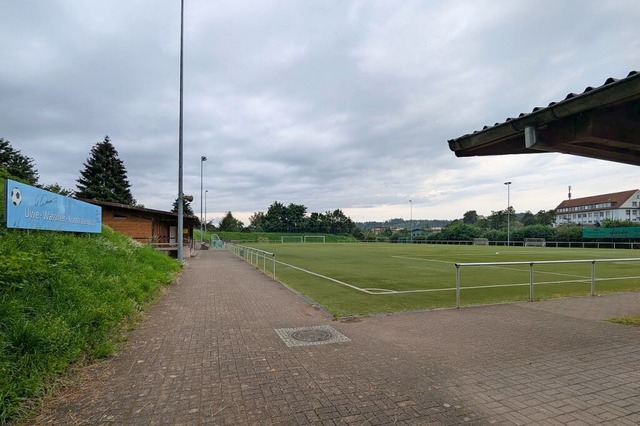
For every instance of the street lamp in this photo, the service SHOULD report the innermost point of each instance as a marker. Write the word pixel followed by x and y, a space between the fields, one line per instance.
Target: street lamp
pixel 202 160
pixel 180 160
pixel 508 213
pixel 205 209
pixel 411 221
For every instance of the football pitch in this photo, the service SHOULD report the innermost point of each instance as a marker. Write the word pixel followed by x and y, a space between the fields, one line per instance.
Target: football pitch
pixel 361 279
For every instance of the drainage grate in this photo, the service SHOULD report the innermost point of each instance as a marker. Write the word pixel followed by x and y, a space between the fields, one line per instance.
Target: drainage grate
pixel 305 336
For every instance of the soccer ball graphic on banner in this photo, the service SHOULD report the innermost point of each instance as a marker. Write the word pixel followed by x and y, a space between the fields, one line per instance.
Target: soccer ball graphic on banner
pixel 16 197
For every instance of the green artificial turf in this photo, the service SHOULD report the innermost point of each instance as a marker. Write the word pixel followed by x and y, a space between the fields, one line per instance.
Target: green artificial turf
pixel 411 269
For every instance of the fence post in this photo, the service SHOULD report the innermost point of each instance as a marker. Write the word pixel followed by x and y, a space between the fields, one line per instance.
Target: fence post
pixel 531 282
pixel 593 277
pixel 274 266
pixel 457 286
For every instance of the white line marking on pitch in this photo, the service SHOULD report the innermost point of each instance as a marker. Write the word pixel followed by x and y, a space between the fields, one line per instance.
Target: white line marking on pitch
pixel 325 277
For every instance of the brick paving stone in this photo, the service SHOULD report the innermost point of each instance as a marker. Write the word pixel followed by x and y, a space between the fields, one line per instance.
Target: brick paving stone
pixel 208 353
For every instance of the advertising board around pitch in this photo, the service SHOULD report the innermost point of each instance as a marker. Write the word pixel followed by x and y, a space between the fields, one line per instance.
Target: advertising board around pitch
pixel 28 207
pixel 618 233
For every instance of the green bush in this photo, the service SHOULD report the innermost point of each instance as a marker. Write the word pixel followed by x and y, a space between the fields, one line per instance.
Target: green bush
pixel 63 296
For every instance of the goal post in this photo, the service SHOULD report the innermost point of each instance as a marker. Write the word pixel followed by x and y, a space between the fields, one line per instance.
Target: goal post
pixel 315 239
pixel 535 242
pixel 291 239
pixel 480 241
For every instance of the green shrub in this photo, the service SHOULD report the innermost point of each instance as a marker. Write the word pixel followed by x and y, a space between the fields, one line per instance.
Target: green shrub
pixel 63 296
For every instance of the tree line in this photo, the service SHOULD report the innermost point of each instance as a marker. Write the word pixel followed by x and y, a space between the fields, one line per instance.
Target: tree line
pixel 500 225
pixel 292 218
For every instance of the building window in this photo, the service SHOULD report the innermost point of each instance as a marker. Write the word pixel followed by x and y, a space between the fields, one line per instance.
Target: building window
pixel 119 216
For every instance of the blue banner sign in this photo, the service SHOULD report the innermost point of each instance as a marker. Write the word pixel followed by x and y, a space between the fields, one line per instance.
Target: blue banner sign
pixel 622 232
pixel 33 208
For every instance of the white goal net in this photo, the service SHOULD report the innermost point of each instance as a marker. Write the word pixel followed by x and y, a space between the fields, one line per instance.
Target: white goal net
pixel 535 242
pixel 480 241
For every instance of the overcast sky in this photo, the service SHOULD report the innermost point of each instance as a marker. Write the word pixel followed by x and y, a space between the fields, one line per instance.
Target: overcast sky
pixel 328 103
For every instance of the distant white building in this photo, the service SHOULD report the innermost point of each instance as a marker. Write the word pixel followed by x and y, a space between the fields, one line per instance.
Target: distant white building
pixel 591 210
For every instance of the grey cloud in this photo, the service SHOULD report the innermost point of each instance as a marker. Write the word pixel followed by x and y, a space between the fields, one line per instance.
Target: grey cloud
pixel 328 104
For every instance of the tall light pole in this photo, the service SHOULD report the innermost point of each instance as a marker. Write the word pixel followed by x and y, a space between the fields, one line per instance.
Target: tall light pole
pixel 202 160
pixel 508 213
pixel 205 209
pixel 411 221
pixel 180 171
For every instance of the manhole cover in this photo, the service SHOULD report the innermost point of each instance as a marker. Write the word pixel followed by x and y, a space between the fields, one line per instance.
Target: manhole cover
pixel 304 336
pixel 307 335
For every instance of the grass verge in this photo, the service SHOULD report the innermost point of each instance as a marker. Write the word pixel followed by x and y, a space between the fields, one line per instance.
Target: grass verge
pixel 64 297
pixel 628 320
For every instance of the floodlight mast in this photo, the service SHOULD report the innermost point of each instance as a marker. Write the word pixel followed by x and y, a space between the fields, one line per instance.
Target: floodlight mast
pixel 411 221
pixel 508 213
pixel 202 160
pixel 180 158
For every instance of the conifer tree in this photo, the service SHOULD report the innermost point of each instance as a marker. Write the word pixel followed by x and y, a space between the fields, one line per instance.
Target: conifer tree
pixel 230 224
pixel 104 177
pixel 186 207
pixel 17 165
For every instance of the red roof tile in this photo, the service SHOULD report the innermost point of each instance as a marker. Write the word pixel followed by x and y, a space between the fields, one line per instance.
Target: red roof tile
pixel 617 198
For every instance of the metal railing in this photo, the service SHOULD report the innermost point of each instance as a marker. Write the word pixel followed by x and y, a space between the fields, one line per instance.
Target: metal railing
pixel 531 269
pixel 255 257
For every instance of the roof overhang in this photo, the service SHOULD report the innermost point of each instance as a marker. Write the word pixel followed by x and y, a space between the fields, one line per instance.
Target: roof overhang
pixel 602 123
pixel 142 211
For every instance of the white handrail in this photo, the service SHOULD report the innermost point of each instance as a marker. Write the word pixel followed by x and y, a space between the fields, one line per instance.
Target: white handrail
pixel 247 254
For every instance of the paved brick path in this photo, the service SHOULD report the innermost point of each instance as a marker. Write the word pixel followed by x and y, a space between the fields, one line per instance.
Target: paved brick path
pixel 208 353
